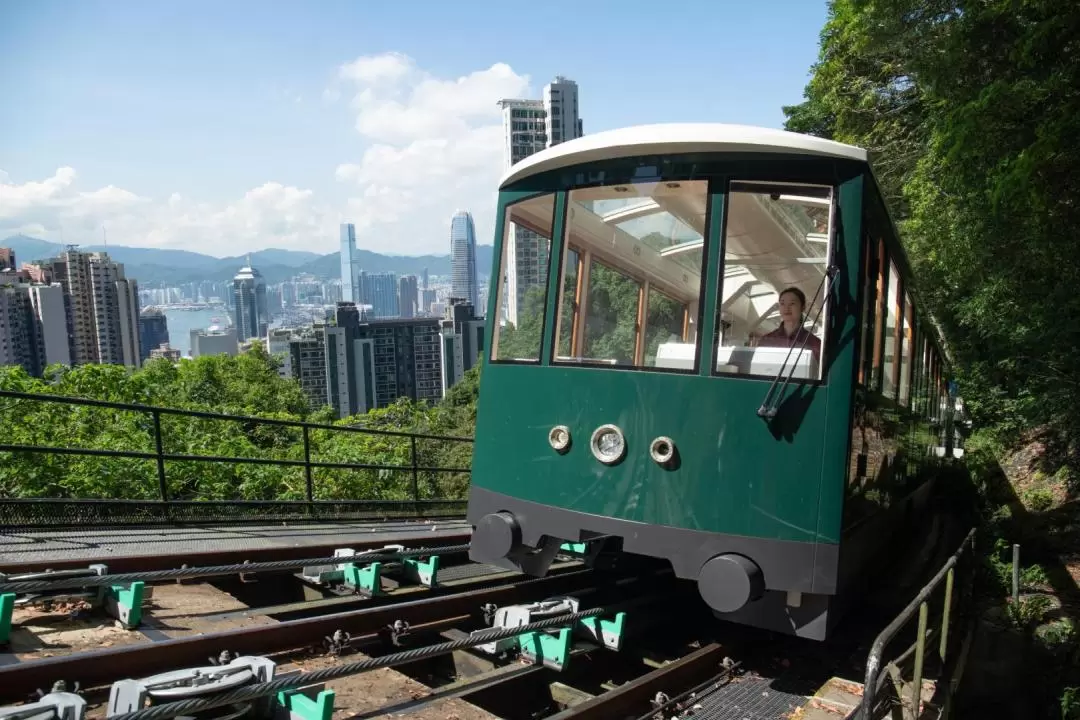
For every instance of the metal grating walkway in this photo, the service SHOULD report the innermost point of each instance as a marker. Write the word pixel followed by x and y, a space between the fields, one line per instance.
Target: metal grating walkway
pixel 750 697
pixel 42 546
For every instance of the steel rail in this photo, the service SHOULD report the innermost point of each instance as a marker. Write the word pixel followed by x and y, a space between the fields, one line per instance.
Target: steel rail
pixel 251 692
pixel 13 584
pixel 630 698
pixel 133 563
pixel 105 666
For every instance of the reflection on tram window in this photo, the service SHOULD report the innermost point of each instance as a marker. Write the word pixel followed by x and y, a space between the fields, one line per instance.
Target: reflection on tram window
pixel 632 275
pixel 772 294
pixel 523 280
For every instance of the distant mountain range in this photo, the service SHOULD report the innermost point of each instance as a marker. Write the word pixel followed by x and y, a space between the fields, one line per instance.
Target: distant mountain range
pixel 173 267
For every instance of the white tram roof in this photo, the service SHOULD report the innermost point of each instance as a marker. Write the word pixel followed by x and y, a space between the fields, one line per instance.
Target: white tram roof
pixel 671 138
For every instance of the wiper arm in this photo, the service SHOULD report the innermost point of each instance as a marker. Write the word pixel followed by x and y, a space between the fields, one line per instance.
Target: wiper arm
pixel 768 407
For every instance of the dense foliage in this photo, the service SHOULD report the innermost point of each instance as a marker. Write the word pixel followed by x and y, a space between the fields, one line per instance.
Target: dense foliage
pixel 246 385
pixel 972 112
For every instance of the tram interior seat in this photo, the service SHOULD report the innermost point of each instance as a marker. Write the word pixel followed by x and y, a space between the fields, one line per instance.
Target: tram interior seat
pixel 766 361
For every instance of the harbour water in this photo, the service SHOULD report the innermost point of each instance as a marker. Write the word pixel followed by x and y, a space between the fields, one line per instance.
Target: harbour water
pixel 182 322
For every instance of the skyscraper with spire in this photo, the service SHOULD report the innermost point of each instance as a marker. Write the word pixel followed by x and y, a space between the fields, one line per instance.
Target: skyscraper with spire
pixel 250 311
pixel 463 281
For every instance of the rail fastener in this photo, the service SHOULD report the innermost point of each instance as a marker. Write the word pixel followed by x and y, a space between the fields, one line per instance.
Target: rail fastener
pixel 421 569
pixel 308 702
pixel 58 705
pixel 122 600
pixel 270 687
pixel 105 666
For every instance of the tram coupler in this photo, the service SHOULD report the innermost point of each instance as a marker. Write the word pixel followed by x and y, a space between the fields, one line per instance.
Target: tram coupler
pixel 51 706
pixel 123 602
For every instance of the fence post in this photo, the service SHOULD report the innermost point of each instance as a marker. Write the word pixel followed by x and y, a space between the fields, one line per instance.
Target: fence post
pixel 415 476
pixel 308 482
pixel 162 485
pixel 1016 573
pixel 920 653
pixel 943 645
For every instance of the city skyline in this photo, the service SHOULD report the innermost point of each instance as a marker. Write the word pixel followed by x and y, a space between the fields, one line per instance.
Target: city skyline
pixel 238 134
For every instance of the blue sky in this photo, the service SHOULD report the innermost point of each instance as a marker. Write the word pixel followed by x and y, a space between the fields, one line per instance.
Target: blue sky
pixel 224 127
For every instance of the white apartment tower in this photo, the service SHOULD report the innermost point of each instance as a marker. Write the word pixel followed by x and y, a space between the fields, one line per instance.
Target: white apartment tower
pixel 530 126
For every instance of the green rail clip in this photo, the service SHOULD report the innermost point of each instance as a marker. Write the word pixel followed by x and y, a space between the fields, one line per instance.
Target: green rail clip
pixel 424 572
pixel 574 548
pixel 7 609
pixel 551 650
pixel 301 707
pixel 367 580
pixel 125 603
pixel 608 633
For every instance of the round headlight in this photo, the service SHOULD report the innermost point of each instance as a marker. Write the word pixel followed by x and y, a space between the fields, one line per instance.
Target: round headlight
pixel 559 438
pixel 608 444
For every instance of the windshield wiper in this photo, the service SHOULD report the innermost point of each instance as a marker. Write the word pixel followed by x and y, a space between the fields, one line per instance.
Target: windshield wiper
pixel 768 407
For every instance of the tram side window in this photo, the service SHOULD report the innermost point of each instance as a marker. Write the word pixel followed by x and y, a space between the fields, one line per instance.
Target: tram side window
pixel 890 359
pixel 523 280
pixel 879 315
pixel 772 294
pixel 632 275
pixel 867 326
pixel 924 367
pixel 906 348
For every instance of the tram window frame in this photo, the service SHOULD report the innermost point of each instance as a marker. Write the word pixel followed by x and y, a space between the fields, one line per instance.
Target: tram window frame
pixel 775 189
pixel 691 310
pixel 868 325
pixel 882 285
pixel 890 374
pixel 502 282
pixel 906 350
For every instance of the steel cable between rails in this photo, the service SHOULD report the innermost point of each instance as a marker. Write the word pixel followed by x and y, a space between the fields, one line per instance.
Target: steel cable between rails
pixel 252 692
pixel 67 583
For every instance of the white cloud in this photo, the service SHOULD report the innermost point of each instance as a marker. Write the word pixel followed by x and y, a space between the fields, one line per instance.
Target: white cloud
pixel 437 148
pixel 272 215
pixel 431 146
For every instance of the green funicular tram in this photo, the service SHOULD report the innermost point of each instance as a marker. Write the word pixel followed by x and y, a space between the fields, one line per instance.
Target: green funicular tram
pixel 705 348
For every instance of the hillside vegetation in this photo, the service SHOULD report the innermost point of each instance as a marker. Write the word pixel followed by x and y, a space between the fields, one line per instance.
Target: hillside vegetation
pixel 246 385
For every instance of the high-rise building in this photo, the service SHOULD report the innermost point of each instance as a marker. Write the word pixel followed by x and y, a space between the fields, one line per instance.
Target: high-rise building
pixel 307 362
pixel 214 340
pixel 33 326
pixel 380 291
pixel 250 311
pixel 462 343
pixel 349 266
pixel 463 281
pixel 528 127
pixel 101 306
pixel 153 331
pixel 408 297
pixel 7 259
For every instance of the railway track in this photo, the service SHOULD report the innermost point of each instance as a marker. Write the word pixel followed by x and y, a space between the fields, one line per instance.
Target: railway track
pixel 672 659
pixel 373 628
